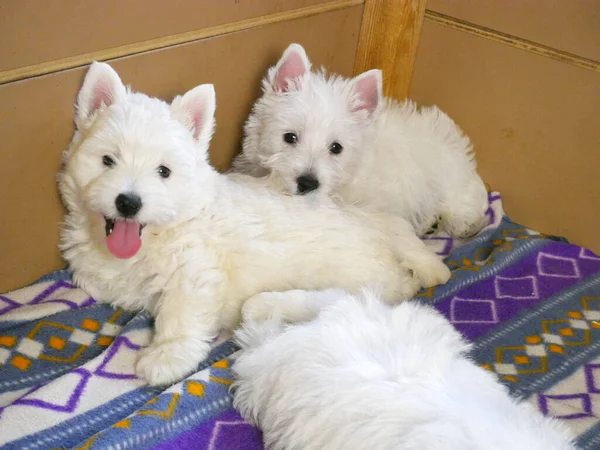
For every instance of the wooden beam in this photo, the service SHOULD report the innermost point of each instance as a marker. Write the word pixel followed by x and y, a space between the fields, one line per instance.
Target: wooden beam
pixel 72 62
pixel 388 41
pixel 513 41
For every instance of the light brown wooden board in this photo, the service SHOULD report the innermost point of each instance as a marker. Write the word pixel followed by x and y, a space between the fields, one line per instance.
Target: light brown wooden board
pixel 33 31
pixel 569 25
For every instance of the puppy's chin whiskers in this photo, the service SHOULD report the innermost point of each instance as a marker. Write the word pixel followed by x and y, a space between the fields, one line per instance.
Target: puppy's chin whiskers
pixel 277 181
pixel 314 200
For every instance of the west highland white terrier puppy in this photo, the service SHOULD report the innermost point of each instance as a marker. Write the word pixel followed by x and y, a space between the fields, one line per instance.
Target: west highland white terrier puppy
pixel 151 225
pixel 364 375
pixel 339 137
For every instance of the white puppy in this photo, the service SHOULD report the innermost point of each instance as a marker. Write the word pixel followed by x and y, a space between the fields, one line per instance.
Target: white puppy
pixel 151 225
pixel 339 137
pixel 365 376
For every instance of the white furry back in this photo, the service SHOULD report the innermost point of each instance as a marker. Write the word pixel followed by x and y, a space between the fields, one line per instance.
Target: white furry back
pixel 420 161
pixel 363 377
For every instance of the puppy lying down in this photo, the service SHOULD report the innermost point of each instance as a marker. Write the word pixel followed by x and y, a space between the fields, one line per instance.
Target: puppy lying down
pixel 363 375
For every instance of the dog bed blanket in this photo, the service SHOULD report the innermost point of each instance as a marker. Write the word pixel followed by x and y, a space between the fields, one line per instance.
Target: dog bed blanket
pixel 529 302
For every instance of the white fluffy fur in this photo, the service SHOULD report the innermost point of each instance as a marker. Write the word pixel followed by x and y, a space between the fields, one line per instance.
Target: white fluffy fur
pixel 413 163
pixel 209 242
pixel 363 375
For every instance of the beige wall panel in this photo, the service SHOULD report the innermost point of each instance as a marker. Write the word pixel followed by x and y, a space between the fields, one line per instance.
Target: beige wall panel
pixel 35 31
pixel 569 25
pixel 38 115
pixel 534 123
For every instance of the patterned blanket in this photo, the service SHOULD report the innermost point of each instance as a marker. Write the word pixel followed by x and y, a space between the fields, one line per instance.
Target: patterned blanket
pixel 529 302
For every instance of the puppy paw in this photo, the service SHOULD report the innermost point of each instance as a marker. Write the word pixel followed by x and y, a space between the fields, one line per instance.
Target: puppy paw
pixel 169 362
pixel 431 228
pixel 261 307
pixel 429 270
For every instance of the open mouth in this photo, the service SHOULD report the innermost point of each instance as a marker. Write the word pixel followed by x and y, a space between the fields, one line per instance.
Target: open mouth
pixel 123 237
pixel 110 226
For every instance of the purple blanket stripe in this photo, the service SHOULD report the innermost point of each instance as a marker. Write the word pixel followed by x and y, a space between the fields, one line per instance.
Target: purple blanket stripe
pixel 228 431
pixel 479 308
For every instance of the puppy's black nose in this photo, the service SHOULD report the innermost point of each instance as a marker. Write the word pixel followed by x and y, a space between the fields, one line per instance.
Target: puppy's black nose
pixel 128 205
pixel 307 183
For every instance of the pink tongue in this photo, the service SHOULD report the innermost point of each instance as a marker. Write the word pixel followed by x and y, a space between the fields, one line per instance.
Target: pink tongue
pixel 124 241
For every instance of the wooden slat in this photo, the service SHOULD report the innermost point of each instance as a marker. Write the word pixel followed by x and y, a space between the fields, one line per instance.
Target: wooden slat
pixel 168 41
pixel 34 31
pixel 569 25
pixel 513 41
pixel 388 41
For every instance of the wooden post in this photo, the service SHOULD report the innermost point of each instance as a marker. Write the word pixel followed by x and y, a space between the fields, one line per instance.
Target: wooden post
pixel 388 41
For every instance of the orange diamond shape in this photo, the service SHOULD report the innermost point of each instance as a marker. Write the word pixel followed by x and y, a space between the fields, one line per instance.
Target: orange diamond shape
pixel 90 325
pixel 498 242
pixel 57 343
pixel 510 378
pixel 533 339
pixel 20 362
pixel 566 332
pixel 595 324
pixel 556 348
pixel 223 364
pixel 104 341
pixel 575 315
pixel 521 359
pixel 466 262
pixel 125 423
pixel 195 388
pixel 487 367
pixel 8 341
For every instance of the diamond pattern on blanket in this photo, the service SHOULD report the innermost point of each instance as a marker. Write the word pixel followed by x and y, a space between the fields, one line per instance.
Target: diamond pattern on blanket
pixel 518 288
pixel 575 399
pixel 473 311
pixel 554 341
pixel 52 341
pixel 227 433
pixel 55 295
pixel 202 394
pixel 557 266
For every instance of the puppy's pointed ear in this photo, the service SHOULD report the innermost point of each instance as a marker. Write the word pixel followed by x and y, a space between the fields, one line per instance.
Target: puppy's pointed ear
pixel 293 65
pixel 369 87
pixel 101 88
pixel 196 110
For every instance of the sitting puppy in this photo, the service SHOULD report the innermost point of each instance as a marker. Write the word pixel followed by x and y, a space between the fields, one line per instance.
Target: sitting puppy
pixel 338 137
pixel 363 375
pixel 151 225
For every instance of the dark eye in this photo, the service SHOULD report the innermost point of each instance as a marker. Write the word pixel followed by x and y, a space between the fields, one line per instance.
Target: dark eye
pixel 108 161
pixel 290 138
pixel 336 148
pixel 164 172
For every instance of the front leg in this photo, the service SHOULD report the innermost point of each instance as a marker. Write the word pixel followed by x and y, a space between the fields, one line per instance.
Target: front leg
pixel 186 322
pixel 426 266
